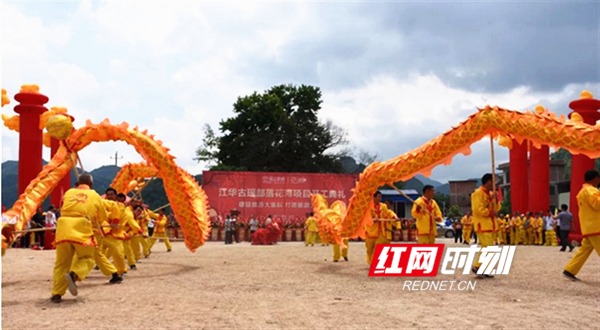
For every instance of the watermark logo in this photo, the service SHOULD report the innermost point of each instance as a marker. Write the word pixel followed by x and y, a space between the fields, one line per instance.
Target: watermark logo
pixel 424 260
pixel 406 260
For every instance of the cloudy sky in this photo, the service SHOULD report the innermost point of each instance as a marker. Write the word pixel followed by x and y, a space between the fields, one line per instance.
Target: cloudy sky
pixel 394 75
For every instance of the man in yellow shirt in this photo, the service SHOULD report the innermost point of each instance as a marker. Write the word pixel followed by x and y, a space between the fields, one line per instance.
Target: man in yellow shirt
pixel 588 200
pixel 160 230
pixel 467 228
pixel 484 212
pixel 113 238
pixel 312 230
pixel 379 232
pixel 426 212
pixel 82 210
pixel 130 226
pixel 539 228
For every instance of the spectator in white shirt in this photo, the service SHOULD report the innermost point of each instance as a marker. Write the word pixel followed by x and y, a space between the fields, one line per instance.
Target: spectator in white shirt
pixel 253 224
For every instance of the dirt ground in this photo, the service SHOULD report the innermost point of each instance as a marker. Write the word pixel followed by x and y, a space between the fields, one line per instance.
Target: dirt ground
pixel 292 286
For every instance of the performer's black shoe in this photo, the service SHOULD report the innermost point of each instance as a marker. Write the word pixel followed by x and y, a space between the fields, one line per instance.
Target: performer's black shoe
pixel 70 277
pixel 475 270
pixel 96 267
pixel 570 276
pixel 571 249
pixel 168 250
pixel 133 267
pixel 346 258
pixel 56 298
pixel 116 278
pixel 335 260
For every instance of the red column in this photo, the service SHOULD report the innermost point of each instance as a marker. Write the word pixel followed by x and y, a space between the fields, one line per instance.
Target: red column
pixel 588 109
pixel 539 179
pixel 30 136
pixel 519 187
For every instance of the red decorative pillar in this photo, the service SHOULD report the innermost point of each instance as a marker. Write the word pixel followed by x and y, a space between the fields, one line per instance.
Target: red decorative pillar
pixel 519 185
pixel 539 179
pixel 65 183
pixel 30 107
pixel 588 109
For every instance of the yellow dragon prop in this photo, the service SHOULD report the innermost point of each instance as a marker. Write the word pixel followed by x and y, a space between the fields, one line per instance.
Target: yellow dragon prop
pixel 540 127
pixel 131 176
pixel 329 219
pixel 188 201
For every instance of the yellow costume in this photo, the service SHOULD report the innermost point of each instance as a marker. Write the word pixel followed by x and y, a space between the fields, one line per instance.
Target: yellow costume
pixel 311 231
pixel 145 240
pixel 483 222
pixel 426 217
pixel 82 210
pixel 160 232
pixel 521 237
pixel 114 236
pixel 551 235
pixel 539 228
pixel 588 200
pixel 129 226
pixel 136 233
pixel 380 232
pixel 502 228
pixel 337 249
pixel 467 228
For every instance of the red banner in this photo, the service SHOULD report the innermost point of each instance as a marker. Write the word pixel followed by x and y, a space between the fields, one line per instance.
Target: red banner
pixel 282 195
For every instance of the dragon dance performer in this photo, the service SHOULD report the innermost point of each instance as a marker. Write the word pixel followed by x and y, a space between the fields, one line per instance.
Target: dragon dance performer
pixel 82 209
pixel 519 232
pixel 139 238
pixel 312 230
pixel 588 200
pixel 550 231
pixel 160 230
pixel 539 227
pixel 143 222
pixel 467 227
pixel 380 232
pixel 101 260
pixel 338 252
pixel 484 213
pixel 113 238
pixel 130 226
pixel 426 211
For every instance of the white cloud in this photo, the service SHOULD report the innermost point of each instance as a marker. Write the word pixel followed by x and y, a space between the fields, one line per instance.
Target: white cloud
pixel 172 67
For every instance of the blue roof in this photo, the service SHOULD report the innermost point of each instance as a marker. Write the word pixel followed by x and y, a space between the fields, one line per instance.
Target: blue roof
pixel 394 196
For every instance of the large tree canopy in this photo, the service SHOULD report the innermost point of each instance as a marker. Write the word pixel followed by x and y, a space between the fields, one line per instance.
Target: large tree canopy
pixel 277 131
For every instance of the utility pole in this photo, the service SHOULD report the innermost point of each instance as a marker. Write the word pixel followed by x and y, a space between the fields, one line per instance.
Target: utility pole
pixel 116 158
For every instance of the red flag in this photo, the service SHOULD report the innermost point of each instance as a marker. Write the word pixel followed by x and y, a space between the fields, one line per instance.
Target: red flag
pixel 500 198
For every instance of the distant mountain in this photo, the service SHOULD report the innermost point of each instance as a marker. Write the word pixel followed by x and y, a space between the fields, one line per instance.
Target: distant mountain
pixel 10 182
pixel 153 195
pixel 443 189
pixel 428 181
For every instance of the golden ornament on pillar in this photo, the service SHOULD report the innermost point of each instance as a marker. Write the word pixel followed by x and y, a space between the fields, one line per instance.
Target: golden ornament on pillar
pixel 59 127
pixel 586 95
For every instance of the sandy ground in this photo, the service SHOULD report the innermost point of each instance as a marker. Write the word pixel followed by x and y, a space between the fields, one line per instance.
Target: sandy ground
pixel 295 287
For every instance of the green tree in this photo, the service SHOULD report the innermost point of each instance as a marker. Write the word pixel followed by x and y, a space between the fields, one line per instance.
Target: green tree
pixel 506 205
pixel 564 155
pixel 454 212
pixel 442 200
pixel 277 131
